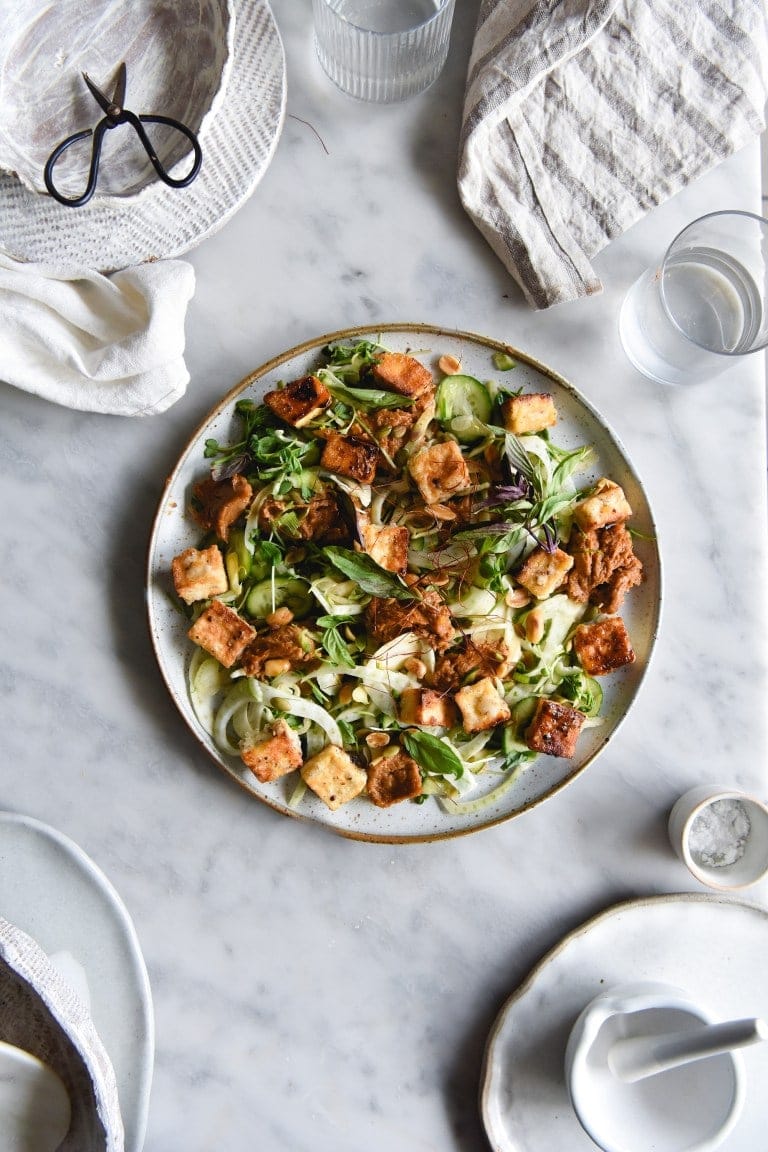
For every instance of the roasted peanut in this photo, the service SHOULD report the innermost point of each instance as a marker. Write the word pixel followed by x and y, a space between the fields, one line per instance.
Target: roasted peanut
pixel 534 626
pixel 279 616
pixel 276 667
pixel 517 598
pixel 377 739
pixel 449 365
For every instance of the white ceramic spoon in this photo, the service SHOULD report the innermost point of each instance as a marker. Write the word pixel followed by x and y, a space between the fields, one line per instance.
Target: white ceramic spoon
pixel 34 1104
pixel 634 1057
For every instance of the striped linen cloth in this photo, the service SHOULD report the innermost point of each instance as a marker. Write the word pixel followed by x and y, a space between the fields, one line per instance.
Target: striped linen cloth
pixel 582 115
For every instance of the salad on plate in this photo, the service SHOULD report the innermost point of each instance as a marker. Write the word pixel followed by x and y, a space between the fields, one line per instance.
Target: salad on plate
pixel 401 591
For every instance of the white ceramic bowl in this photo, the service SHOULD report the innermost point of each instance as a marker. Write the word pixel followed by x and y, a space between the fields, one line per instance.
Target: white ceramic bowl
pixel 177 54
pixel 691 1108
pixel 749 848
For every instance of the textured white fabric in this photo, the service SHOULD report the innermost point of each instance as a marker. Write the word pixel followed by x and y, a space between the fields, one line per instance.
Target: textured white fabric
pixel 582 115
pixel 40 1013
pixel 111 344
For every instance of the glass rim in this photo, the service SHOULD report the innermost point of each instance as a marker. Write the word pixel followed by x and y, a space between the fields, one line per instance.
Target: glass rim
pixel 444 4
pixel 700 220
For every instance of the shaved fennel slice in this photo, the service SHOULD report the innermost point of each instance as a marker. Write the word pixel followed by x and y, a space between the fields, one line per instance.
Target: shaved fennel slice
pixel 206 679
pixel 298 706
pixel 470 807
pixel 394 653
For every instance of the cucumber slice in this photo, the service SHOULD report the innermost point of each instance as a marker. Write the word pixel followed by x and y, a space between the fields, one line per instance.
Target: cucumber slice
pixel 283 592
pixel 464 406
pixel 522 714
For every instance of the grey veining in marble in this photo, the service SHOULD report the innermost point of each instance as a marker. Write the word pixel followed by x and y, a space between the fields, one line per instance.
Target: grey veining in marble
pixel 313 993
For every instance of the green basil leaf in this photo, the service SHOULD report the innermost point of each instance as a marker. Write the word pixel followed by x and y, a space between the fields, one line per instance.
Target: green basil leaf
pixel 371 577
pixel 363 397
pixel 431 754
pixel 336 649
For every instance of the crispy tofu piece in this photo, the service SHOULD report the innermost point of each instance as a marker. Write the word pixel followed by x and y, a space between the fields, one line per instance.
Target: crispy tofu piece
pixel 606 505
pixel 481 705
pixel 222 633
pixel 392 779
pixel 387 545
pixel 403 374
pixel 530 412
pixel 603 646
pixel 334 776
pixel 198 575
pixel 428 617
pixel 276 755
pixel 554 728
pixel 542 572
pixel 350 456
pixel 428 707
pixel 300 401
pixel 217 504
pixel 439 471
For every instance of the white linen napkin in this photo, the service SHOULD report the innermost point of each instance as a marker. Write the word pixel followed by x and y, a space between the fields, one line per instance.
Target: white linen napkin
pixel 582 115
pixel 111 344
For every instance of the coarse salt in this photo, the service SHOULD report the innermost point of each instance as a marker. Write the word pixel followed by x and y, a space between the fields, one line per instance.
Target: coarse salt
pixel 719 834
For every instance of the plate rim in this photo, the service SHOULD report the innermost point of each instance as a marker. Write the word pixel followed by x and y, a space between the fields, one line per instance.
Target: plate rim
pixel 142 1077
pixel 303 348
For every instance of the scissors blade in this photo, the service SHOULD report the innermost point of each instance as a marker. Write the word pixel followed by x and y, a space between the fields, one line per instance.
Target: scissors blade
pixel 116 103
pixel 118 94
pixel 100 97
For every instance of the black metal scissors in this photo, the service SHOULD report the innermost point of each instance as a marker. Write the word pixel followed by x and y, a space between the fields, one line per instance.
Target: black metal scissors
pixel 116 114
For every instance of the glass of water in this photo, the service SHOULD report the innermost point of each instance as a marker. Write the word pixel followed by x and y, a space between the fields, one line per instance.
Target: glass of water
pixel 382 50
pixel 686 320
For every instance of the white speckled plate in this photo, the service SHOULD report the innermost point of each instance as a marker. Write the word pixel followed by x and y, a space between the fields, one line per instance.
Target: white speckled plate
pixel 239 142
pixel 578 423
pixel 712 947
pixel 52 891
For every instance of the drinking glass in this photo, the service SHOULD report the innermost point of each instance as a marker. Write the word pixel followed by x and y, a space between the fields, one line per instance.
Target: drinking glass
pixel 687 319
pixel 382 50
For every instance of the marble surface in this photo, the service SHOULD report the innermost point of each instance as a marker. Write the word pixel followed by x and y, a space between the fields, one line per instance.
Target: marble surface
pixel 312 992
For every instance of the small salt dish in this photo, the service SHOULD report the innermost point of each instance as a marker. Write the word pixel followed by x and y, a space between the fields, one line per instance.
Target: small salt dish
pixel 721 835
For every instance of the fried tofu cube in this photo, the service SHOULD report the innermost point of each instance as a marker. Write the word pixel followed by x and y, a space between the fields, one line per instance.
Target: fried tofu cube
pixel 387 545
pixel 277 754
pixel 222 633
pixel 198 575
pixel 606 505
pixel 217 504
pixel 439 471
pixel 333 776
pixel 481 705
pixel 300 401
pixel 554 728
pixel 392 779
pixel 401 373
pixel 350 456
pixel 427 707
pixel 603 646
pixel 542 572
pixel 530 412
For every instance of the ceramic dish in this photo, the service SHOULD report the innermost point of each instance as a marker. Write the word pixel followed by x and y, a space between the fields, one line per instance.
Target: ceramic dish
pixel 165 222
pixel 578 423
pixel 177 66
pixel 54 893
pixel 689 941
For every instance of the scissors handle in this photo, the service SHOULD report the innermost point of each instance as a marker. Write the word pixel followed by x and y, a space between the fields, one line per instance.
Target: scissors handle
pixel 76 201
pixel 137 123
